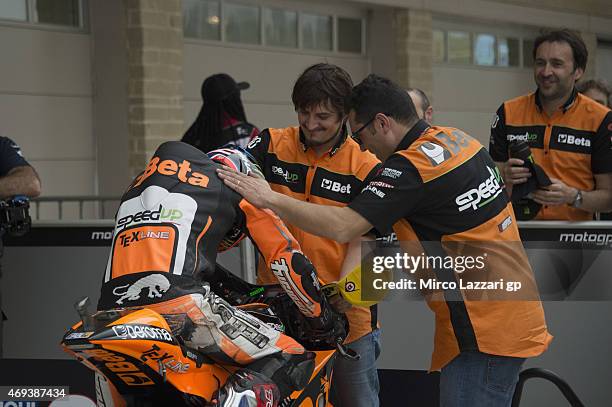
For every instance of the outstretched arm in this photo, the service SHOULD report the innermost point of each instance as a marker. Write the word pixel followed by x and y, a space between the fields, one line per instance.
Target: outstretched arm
pixel 338 223
pixel 283 255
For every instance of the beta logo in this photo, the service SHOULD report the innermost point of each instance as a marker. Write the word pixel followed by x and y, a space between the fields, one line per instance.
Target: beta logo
pixel 335 186
pixel 572 140
pixel 171 168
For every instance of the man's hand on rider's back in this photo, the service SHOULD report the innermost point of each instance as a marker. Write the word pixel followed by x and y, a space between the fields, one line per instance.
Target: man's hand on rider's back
pixel 254 189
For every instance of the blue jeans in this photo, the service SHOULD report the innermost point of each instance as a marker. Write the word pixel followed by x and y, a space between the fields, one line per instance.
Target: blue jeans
pixel 475 379
pixel 355 383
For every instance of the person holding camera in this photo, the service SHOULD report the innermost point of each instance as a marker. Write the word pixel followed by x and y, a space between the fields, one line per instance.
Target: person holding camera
pixel 17 177
pixel 568 133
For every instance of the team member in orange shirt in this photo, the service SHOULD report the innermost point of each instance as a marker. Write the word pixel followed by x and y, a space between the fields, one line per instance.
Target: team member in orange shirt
pixel 317 162
pixel 569 134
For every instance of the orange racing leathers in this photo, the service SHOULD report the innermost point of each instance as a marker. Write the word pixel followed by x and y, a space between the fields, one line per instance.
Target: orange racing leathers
pixel 168 228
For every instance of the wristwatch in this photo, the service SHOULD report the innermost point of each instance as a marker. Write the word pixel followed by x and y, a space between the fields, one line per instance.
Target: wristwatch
pixel 577 200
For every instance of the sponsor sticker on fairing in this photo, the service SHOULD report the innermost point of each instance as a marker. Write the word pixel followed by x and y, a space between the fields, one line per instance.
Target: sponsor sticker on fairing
pixel 79 335
pixel 135 331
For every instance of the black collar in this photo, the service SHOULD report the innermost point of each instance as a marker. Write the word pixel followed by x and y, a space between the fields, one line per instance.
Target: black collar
pixel 413 134
pixel 568 103
pixel 335 148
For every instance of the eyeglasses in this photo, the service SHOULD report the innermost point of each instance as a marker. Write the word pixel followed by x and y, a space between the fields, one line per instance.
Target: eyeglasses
pixel 355 134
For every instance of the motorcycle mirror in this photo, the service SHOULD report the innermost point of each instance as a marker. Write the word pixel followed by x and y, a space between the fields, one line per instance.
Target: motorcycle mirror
pixel 81 307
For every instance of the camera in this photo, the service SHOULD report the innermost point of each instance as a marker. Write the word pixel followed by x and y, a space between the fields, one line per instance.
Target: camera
pixel 15 216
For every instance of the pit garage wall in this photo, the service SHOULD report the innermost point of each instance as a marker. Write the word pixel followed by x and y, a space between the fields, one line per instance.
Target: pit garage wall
pixel 46 104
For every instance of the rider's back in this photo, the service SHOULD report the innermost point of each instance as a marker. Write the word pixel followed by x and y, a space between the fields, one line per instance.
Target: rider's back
pixel 169 224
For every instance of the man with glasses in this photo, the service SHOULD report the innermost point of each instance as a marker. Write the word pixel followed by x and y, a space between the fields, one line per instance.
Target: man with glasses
pixel 317 162
pixel 437 185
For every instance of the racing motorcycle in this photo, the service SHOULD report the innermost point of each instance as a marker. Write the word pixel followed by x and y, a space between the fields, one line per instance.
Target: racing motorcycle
pixel 140 359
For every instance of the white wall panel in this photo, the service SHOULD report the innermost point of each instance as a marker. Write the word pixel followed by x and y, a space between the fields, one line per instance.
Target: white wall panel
pixel 44 61
pixel 48 127
pixel 46 105
pixel 604 63
pixel 467 97
pixel 66 177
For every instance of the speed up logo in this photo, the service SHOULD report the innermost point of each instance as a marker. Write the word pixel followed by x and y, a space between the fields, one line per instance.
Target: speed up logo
pixel 526 137
pixel 482 195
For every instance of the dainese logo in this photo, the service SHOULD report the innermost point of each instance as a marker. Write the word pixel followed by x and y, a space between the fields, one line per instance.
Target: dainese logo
pixel 171 168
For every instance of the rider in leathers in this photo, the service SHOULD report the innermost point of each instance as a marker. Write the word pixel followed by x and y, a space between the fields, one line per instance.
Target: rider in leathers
pixel 172 221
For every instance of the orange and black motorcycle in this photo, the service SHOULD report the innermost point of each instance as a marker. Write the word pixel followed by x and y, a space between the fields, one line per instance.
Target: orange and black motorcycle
pixel 140 359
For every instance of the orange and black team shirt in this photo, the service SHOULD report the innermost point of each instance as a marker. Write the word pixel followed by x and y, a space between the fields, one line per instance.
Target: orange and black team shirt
pixel 572 145
pixel 169 226
pixel 334 178
pixel 439 187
